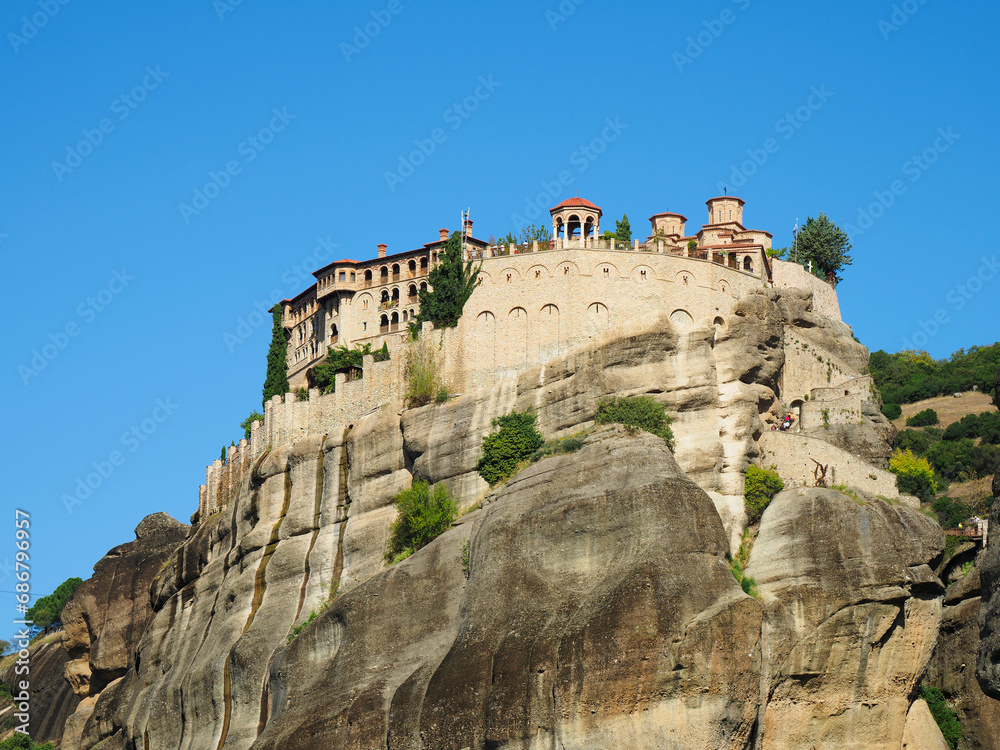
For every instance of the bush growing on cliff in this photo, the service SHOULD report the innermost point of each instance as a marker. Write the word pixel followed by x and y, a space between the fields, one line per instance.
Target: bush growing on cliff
pixel 759 489
pixel 424 514
pixel 946 719
pixel 423 379
pixel 338 359
pixel 924 418
pixel 641 412
pixel 515 441
pixel 914 475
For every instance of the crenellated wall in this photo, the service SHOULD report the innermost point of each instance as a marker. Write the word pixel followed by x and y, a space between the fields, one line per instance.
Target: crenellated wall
pixel 793 276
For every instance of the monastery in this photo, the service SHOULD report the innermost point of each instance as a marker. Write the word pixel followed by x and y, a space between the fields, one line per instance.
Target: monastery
pixel 535 301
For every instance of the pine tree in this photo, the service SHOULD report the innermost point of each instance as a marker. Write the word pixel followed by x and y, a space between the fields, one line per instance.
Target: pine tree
pixel 452 282
pixel 623 232
pixel 276 382
pixel 826 245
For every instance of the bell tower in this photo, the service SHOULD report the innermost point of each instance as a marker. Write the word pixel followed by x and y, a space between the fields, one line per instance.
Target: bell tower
pixel 576 219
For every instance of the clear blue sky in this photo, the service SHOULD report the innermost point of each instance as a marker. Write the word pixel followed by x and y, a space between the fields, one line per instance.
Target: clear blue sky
pixel 95 239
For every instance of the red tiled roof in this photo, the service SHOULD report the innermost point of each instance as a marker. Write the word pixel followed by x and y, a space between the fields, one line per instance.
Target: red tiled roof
pixel 574 202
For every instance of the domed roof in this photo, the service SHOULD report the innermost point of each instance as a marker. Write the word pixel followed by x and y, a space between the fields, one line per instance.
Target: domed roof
pixel 576 203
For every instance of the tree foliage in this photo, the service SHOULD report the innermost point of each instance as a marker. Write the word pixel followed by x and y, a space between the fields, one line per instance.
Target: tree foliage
pixel 276 381
pixel 515 440
pixel 826 245
pixel 910 376
pixel 21 741
pixel 925 418
pixel 641 412
pixel 452 282
pixel 48 609
pixel 946 719
pixel 423 515
pixel 338 359
pixel 914 475
pixel 255 416
pixel 623 231
pixel 892 411
pixel 759 489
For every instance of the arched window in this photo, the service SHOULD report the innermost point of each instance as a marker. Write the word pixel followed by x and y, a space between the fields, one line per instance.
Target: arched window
pixel 747 263
pixel 395 271
pixel 333 334
pixel 385 296
pixel 412 291
pixel 394 322
pixel 412 268
pixel 384 324
pixel 423 264
pixel 395 294
pixel 385 274
pixel 423 286
pixel 368 277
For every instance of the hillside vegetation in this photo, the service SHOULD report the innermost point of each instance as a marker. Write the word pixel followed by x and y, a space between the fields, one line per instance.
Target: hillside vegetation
pixel 911 376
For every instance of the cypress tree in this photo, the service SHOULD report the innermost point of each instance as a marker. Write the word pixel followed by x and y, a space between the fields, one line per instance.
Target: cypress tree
pixel 623 231
pixel 276 382
pixel 452 282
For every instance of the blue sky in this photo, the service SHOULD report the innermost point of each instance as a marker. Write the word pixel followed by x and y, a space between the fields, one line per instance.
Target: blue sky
pixel 170 168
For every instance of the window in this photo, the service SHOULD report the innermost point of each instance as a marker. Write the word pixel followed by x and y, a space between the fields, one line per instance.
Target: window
pixel 343 276
pixel 352 276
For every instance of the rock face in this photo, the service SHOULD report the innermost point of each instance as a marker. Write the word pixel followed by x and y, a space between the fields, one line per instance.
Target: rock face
pixel 953 666
pixel 988 664
pixel 597 605
pixel 565 586
pixel 52 700
pixel 108 612
pixel 852 615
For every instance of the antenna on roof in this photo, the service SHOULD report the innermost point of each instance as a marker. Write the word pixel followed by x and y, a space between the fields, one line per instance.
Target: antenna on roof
pixel 725 190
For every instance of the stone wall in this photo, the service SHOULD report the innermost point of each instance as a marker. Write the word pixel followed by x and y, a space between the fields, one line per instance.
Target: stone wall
pixel 793 455
pixel 793 276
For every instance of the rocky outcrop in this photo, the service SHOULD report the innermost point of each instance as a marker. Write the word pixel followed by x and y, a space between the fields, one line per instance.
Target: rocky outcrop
pixel 953 666
pixel 988 663
pixel 51 698
pixel 108 612
pixel 852 613
pixel 597 604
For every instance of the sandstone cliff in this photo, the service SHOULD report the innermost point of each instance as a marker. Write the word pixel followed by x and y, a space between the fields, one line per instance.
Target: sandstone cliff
pixel 597 608
pixel 988 664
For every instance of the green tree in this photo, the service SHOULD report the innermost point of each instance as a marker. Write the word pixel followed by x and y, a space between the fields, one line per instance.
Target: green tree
pixel 48 609
pixel 924 418
pixel 623 232
pixel 532 233
pixel 759 489
pixel 452 282
pixel 276 382
pixel 423 515
pixel 4 648
pixel 914 475
pixel 826 245
pixel 515 441
pixel 255 416
pixel 21 741
pixel 996 391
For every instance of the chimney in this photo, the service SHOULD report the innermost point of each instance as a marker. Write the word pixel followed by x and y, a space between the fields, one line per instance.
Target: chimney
pixel 443 233
pixel 381 250
pixel 468 227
